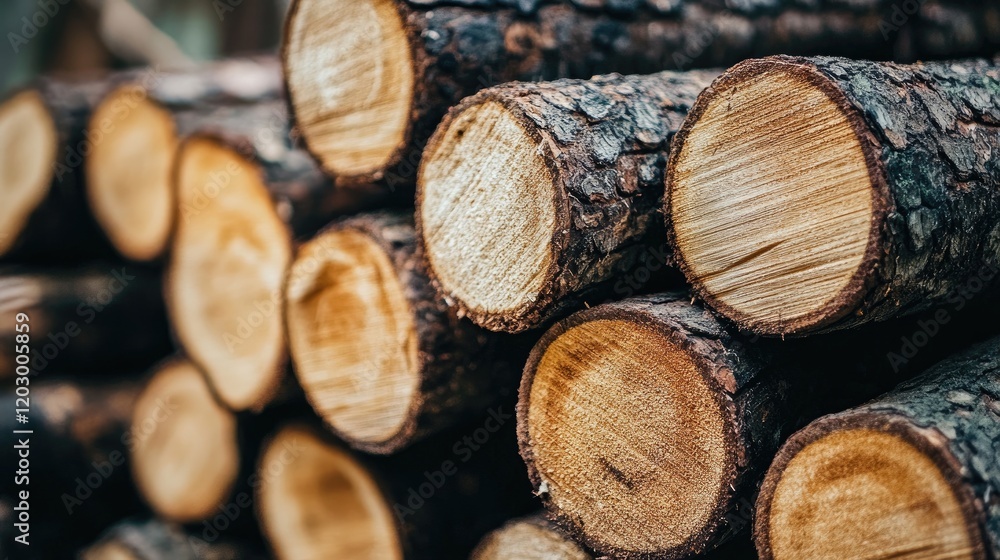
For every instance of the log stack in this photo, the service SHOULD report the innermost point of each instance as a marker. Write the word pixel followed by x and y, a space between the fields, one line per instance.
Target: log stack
pixel 447 262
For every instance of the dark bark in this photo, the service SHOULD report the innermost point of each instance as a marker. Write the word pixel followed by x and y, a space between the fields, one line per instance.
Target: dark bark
pixel 768 388
pixel 100 320
pixel 459 47
pixel 930 133
pixel 60 227
pixel 483 485
pixel 951 413
pixel 152 539
pixel 605 141
pixel 463 369
pixel 78 479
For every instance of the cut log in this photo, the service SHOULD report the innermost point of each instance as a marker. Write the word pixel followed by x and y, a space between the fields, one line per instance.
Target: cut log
pixel 379 355
pixel 818 194
pixel 244 191
pixel 153 539
pixel 913 474
pixel 433 500
pixel 77 475
pixel 99 320
pixel 647 424
pixel 370 79
pixel 137 127
pixel 529 538
pixel 533 197
pixel 185 454
pixel 43 213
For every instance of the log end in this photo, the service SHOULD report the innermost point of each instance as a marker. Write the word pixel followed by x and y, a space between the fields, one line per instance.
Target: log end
pixel 184 452
pixel 353 339
pixel 776 199
pixel 627 439
pixel 528 539
pixel 489 216
pixel 318 502
pixel 128 172
pixel 230 253
pixel 29 144
pixel 864 485
pixel 351 82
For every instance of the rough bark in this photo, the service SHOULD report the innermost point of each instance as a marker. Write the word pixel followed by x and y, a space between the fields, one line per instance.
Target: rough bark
pixel 767 388
pixel 60 227
pixel 461 46
pixel 482 485
pixel 152 539
pixel 951 413
pixel 605 141
pixel 78 480
pixel 463 369
pixel 930 135
pixel 84 321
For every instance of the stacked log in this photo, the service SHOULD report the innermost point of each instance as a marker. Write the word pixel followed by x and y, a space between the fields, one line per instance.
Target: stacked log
pixel 911 473
pixel 136 128
pixel 380 357
pixel 529 538
pixel 897 213
pixel 386 71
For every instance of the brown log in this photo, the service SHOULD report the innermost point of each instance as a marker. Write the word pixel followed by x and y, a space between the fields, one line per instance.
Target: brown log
pixel 43 213
pixel 369 80
pixel 104 319
pixel 913 474
pixel 647 424
pixel 244 192
pixel 379 355
pixel 154 539
pixel 819 194
pixel 75 473
pixel 433 500
pixel 529 538
pixel 136 128
pixel 534 198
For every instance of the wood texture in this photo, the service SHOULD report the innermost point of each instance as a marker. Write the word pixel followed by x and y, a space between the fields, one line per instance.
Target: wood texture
pixel 140 123
pixel 598 428
pixel 457 48
pixel 529 538
pixel 100 320
pixel 451 368
pixel 152 539
pixel 949 414
pixel 927 133
pixel 602 147
pixel 440 495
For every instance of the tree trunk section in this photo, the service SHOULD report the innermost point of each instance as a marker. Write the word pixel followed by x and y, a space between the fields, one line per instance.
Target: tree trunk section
pixel 951 413
pixel 530 538
pixel 152 539
pixel 605 143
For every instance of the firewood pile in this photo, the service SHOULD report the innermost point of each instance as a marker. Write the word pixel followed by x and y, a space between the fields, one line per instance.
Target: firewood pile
pixel 496 279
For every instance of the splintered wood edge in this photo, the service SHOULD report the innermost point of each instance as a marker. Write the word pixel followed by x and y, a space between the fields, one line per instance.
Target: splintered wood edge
pixel 351 81
pixel 230 253
pixel 864 484
pixel 129 184
pixel 528 539
pixel 29 146
pixel 490 218
pixel 316 501
pixel 707 485
pixel 353 340
pixel 185 455
pixel 778 225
